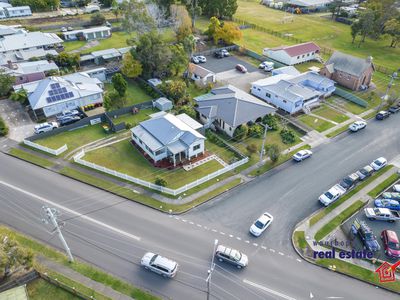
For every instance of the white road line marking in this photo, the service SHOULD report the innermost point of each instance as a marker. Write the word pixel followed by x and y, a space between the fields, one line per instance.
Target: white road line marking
pixel 263 247
pixel 191 223
pixel 268 290
pixel 183 220
pixel 238 238
pixel 255 244
pixel 85 217
pixel 177 218
pixel 214 230
pixel 272 250
pixel 223 233
pixel 231 236
pixel 198 225
pixel 248 242
pixel 299 260
pixel 280 253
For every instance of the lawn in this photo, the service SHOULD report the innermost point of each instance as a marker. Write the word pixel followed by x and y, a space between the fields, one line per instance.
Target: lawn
pixel 73 45
pixel 223 152
pixel 135 119
pixel 134 93
pixel 384 185
pixel 40 289
pixel 125 158
pixel 299 239
pixel 37 160
pixel 331 114
pixel 316 123
pixel 75 138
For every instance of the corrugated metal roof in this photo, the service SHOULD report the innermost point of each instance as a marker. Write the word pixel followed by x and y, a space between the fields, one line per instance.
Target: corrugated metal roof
pixel 28 40
pixel 349 64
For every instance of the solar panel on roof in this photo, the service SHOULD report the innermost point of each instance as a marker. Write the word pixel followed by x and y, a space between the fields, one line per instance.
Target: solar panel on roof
pixel 58 93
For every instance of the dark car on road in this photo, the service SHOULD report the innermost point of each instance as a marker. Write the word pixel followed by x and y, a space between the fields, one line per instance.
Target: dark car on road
pixel 394 109
pixel 383 114
pixel 365 172
pixel 349 181
pixel 68 120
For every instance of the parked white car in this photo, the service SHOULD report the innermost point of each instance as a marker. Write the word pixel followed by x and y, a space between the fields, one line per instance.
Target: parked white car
pixel 332 195
pixel 159 264
pixel 262 223
pixel 301 155
pixel 44 127
pixel 266 66
pixel 396 188
pixel 357 125
pixel 379 163
pixel 201 58
pixel 195 60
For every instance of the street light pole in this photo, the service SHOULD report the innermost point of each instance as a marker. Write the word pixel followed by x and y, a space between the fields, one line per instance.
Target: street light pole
pixel 392 78
pixel 208 280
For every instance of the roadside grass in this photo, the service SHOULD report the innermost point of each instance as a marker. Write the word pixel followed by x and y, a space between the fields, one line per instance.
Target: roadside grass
pixel 134 93
pixel 125 158
pixel 322 213
pixel 370 115
pixel 359 272
pixel 384 185
pixel 40 289
pixel 300 240
pixel 315 123
pixel 37 160
pixel 330 113
pixel 338 131
pixel 335 222
pixel 80 267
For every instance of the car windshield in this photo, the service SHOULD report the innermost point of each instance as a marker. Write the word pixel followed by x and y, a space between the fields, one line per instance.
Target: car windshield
pixel 153 258
pixel 259 224
pixel 363 171
pixel 236 255
pixel 328 195
pixel 348 180
pixel 378 162
pixel 394 246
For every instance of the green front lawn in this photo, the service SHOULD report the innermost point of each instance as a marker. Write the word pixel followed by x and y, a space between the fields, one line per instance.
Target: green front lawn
pixel 34 159
pixel 73 45
pixel 316 123
pixel 331 114
pixel 223 152
pixel 40 289
pixel 384 185
pixel 124 157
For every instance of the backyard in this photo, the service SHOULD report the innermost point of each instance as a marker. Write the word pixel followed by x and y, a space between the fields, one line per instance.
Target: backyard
pixel 134 93
pixel 40 289
pixel 124 157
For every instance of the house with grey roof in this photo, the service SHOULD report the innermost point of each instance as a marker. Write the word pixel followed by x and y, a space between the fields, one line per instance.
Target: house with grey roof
pixel 228 107
pixel 349 71
pixel 169 137
pixel 10 30
pixel 53 95
pixel 88 34
pixel 29 71
pixel 293 93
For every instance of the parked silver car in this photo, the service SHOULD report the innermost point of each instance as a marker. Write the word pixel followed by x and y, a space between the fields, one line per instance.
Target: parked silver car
pixel 159 264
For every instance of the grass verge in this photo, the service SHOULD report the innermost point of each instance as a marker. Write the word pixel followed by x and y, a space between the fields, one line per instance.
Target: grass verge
pixel 37 160
pixel 82 268
pixel 350 194
pixel 41 289
pixel 338 131
pixel 382 186
pixel 335 222
pixel 300 240
pixel 358 272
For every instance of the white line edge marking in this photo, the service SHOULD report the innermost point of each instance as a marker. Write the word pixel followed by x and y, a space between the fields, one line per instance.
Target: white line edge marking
pixel 268 290
pixel 280 253
pixel 71 211
pixel 263 247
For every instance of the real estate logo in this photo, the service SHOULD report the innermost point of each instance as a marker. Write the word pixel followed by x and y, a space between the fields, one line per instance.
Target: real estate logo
pixel 386 272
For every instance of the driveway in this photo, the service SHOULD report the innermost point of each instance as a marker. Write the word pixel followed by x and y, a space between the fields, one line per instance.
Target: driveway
pixel 17 119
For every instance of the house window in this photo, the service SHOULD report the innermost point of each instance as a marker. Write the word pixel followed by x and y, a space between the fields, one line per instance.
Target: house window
pixel 268 95
pixel 308 54
pixel 197 147
pixel 159 152
pixel 303 56
pixel 134 135
pixel 312 53
pixel 258 89
pixel 298 57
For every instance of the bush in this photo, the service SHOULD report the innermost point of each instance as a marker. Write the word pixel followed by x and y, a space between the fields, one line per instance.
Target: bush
pixel 287 136
pixel 274 152
pixel 97 19
pixel 160 181
pixel 252 148
pixel 256 131
pixel 3 128
pixel 271 121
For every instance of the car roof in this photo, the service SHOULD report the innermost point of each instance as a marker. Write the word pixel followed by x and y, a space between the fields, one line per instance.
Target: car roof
pixel 368 168
pixel 264 218
pixel 392 236
pixel 164 262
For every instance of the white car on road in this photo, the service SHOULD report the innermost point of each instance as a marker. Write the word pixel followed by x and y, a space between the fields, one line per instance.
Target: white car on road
pixel 201 58
pixel 301 155
pixel 357 125
pixel 44 127
pixel 332 195
pixel 261 224
pixel 379 163
pixel 159 264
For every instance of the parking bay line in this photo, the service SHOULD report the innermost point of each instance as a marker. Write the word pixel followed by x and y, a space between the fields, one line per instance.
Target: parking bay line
pixel 268 290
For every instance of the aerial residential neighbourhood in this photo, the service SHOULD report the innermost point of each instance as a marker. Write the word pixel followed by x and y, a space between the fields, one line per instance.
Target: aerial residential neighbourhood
pixel 197 149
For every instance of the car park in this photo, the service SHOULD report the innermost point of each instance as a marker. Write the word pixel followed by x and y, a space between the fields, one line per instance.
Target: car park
pixel 332 195
pixel 365 172
pixel 381 214
pixel 357 125
pixel 379 163
pixel 241 68
pixel 367 236
pixel 383 114
pixel 67 120
pixel 387 203
pixel 396 188
pixel 159 264
pixel 389 195
pixel 231 256
pixel 349 181
pixel 391 243
pixel 301 155
pixel 261 224
pixel 394 109
pixel 44 127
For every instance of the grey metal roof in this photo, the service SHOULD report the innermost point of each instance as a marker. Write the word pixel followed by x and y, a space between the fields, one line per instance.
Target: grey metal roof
pixel 146 137
pixel 349 64
pixel 291 92
pixel 313 77
pixel 176 147
pixel 232 105
pixel 28 40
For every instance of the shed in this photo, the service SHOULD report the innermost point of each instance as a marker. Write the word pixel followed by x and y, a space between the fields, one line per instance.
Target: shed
pixel 163 104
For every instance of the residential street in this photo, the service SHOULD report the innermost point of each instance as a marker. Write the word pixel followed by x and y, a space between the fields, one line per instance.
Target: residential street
pixel 119 232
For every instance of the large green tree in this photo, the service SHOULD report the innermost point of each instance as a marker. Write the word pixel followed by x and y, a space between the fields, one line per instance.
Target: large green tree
pixel 220 8
pixel 136 17
pixel 119 83
pixel 131 67
pixel 6 83
pixel 38 5
pixel 384 10
pixel 392 28
pixel 366 20
pixel 179 59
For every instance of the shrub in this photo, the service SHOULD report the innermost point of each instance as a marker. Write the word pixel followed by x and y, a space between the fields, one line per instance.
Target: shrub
pixel 252 148
pixel 287 136
pixel 256 131
pixel 160 181
pixel 240 132
pixel 97 19
pixel 274 152
pixel 271 121
pixel 3 128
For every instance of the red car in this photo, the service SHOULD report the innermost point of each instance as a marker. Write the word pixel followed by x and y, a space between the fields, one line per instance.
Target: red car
pixel 241 68
pixel 390 243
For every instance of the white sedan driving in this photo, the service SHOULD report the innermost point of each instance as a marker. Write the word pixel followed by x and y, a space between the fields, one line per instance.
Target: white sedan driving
pixel 357 125
pixel 302 154
pixel 261 224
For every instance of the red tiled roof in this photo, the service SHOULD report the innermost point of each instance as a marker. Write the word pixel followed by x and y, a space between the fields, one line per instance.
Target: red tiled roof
pixel 299 49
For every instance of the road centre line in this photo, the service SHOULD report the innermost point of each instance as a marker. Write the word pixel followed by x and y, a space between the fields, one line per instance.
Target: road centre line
pixel 268 290
pixel 85 217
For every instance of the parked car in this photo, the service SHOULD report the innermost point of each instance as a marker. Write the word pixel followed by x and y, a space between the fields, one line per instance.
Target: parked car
pixel 381 214
pixel 396 188
pixel 68 113
pixel 349 181
pixel 231 256
pixel 394 109
pixel 357 125
pixel 332 195
pixel 195 60
pixel 70 28
pixel 44 127
pixel 108 24
pixel 63 29
pixel 225 53
pixel 67 120
pixel 391 243
pixel 389 195
pixel 365 172
pixel 261 224
pixel 241 68
pixel 267 66
pixel 387 203
pixel 91 9
pixel 159 264
pixel 367 236
pixel 202 58
pixel 219 54
pixel 379 163
pixel 302 154
pixel 154 81
pixel 383 114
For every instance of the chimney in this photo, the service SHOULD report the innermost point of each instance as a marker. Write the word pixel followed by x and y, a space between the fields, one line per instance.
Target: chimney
pixel 369 59
pixel 10 65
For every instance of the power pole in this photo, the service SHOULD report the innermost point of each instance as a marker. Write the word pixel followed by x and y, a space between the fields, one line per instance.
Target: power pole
pixel 51 215
pixel 210 271
pixel 266 127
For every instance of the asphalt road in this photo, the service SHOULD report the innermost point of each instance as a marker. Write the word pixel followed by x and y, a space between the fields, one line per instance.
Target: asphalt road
pixel 115 237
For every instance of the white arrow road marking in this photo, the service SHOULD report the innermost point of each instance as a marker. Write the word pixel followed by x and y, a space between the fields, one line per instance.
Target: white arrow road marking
pixel 268 290
pixel 333 297
pixel 71 211
pixel 311 295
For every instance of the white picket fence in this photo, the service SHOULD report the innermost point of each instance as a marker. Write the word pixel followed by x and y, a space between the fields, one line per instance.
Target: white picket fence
pixel 78 159
pixel 46 149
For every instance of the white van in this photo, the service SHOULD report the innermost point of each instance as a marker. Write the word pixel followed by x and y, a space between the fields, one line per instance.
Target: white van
pixel 91 9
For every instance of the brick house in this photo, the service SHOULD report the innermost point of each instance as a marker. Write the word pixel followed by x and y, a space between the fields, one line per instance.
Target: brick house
pixel 349 71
